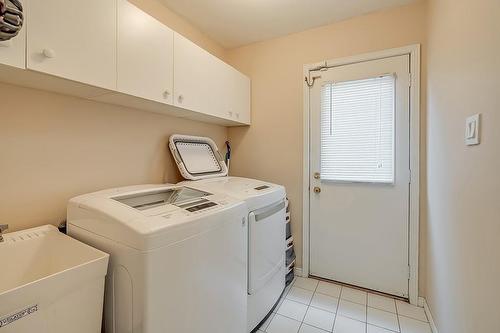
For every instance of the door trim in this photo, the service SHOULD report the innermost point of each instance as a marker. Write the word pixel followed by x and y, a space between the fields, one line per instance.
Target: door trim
pixel 414 209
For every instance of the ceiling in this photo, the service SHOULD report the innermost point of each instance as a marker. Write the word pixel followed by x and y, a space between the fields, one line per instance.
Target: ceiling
pixel 234 23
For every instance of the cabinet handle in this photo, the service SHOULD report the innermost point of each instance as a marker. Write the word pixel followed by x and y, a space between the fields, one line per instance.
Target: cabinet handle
pixel 230 113
pixel 180 98
pixel 166 93
pixel 49 53
pixel 237 115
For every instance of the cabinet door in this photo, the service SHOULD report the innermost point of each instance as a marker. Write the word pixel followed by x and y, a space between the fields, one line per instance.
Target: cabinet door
pixel 145 55
pixel 73 39
pixel 206 84
pixel 238 91
pixel 197 78
pixel 12 52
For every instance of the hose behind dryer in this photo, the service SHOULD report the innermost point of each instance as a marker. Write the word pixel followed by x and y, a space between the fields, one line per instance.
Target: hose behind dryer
pixel 11 18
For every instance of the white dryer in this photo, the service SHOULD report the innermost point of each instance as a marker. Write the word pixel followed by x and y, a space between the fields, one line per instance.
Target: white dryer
pixel 198 159
pixel 177 257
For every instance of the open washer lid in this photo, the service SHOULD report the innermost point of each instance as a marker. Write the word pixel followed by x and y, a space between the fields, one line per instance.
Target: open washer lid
pixel 197 157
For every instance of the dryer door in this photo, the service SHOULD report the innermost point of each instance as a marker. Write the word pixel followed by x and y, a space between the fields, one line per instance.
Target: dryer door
pixel 266 245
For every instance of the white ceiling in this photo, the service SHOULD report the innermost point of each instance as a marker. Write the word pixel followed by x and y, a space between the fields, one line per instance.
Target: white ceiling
pixel 238 22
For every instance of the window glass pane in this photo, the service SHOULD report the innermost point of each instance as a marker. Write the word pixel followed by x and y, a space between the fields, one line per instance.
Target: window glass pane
pixel 357 130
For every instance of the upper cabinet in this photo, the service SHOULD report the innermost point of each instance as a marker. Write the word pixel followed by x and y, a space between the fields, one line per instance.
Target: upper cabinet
pixel 206 84
pixel 74 40
pixel 145 55
pixel 113 52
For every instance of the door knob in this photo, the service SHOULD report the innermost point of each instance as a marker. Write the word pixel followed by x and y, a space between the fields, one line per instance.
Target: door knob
pixel 317 190
pixel 49 53
pixel 180 98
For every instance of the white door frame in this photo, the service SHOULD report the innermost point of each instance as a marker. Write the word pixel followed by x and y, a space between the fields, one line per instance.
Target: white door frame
pixel 414 219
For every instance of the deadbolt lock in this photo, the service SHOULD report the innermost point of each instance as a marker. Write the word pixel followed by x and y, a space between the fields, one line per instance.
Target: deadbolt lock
pixel 317 190
pixel 317 175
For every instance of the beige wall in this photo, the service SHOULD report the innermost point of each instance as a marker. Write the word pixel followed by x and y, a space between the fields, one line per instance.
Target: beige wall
pixel 272 147
pixel 463 235
pixel 53 147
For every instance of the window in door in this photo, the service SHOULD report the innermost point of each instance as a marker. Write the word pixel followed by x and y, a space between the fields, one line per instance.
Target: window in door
pixel 357 130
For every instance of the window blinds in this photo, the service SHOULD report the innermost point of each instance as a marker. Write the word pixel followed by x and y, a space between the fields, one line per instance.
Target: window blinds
pixel 357 130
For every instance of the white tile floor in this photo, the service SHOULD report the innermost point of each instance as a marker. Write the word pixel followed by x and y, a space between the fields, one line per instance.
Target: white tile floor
pixel 312 306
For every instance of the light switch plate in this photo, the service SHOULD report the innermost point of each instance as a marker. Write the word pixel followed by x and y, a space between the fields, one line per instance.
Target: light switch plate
pixel 472 127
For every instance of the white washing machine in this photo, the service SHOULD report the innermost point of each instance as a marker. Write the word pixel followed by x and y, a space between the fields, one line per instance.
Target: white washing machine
pixel 178 257
pixel 199 160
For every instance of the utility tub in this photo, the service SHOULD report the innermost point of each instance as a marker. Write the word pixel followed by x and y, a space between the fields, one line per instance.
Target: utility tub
pixel 50 283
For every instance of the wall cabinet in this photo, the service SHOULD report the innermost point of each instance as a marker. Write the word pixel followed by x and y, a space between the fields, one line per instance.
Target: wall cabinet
pixel 113 52
pixel 204 83
pixel 145 55
pixel 74 40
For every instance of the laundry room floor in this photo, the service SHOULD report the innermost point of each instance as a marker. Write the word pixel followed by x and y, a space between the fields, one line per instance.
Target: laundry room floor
pixel 312 306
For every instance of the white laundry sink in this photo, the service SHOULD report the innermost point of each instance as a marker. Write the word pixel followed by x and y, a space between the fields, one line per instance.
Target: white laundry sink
pixel 50 283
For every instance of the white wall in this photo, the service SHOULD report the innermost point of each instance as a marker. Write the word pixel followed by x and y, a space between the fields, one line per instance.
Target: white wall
pixel 463 232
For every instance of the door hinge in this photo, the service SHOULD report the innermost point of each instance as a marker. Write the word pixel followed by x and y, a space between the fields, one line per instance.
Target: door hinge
pixel 409 79
pixel 409 176
pixel 409 272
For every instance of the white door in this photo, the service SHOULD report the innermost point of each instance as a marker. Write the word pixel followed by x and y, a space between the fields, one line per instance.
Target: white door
pixel 73 39
pixel 145 55
pixel 360 174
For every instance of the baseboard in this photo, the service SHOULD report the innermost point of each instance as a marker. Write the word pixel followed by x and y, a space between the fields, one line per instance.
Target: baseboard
pixel 423 303
pixel 297 271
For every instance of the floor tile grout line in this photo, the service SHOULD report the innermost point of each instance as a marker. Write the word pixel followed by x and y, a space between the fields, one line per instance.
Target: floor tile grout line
pixel 302 322
pixel 308 306
pixel 319 292
pixel 372 307
pixel 282 315
pixel 334 313
pixel 401 315
pixel 385 328
pixel 277 313
pixel 293 286
pixel 317 308
pixel 348 300
pixel 392 313
pixel 366 313
pixel 338 306
pixel 397 314
pixel 315 326
pixel 359 321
